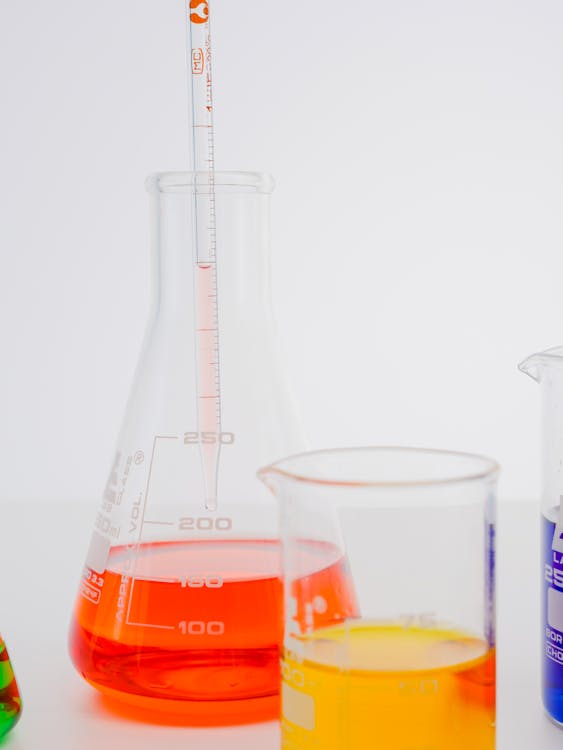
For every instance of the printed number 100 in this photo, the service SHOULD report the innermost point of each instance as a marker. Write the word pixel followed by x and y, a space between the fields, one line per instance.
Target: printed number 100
pixel 199 627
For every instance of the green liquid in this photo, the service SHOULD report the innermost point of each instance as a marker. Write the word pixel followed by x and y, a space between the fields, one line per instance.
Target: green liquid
pixel 10 701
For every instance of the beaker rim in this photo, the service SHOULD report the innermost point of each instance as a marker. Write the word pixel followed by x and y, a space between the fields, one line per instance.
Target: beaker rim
pixel 471 467
pixel 232 182
pixel 553 355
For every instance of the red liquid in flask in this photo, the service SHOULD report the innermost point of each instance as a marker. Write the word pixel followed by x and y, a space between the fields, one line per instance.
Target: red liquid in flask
pixel 195 627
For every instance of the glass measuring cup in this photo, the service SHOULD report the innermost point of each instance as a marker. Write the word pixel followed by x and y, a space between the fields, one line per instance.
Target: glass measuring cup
pixel 546 368
pixel 413 665
pixel 179 607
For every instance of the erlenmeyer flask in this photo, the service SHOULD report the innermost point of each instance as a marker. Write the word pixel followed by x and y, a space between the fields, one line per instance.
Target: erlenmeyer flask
pixel 180 607
pixel 10 701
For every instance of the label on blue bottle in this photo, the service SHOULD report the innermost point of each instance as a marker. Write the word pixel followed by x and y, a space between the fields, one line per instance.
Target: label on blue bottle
pixel 552 606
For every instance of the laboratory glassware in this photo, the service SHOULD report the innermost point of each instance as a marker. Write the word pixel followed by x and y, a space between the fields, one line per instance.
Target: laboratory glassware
pixel 10 701
pixel 180 605
pixel 411 664
pixel 204 230
pixel 547 369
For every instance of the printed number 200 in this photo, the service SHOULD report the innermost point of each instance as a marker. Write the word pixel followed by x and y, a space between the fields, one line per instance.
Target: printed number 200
pixel 204 523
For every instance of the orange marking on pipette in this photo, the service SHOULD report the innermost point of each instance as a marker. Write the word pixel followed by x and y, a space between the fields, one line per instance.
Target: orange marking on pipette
pixel 201 11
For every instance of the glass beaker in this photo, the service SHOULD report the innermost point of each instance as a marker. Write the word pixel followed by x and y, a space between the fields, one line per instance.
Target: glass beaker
pixel 413 665
pixel 10 701
pixel 180 607
pixel 547 369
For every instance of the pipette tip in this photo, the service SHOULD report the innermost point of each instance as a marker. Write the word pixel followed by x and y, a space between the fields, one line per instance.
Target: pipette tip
pixel 211 503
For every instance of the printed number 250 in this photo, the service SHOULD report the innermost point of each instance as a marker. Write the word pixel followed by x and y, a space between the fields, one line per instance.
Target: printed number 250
pixel 209 438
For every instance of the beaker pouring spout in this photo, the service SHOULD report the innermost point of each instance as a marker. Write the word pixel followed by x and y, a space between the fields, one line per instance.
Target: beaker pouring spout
pixel 270 477
pixel 531 366
pixel 535 364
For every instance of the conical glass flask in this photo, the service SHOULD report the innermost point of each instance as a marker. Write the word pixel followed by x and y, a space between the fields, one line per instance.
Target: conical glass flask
pixel 180 607
pixel 10 701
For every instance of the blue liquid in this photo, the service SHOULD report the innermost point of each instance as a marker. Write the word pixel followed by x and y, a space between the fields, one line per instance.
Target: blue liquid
pixel 552 637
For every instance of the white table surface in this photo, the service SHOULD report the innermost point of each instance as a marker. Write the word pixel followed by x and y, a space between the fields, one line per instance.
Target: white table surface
pixel 41 556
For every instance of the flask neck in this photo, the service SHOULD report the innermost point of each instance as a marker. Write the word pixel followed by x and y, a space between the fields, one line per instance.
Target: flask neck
pixel 242 256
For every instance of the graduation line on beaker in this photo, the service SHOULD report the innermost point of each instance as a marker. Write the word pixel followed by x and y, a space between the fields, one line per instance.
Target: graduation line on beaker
pixel 204 235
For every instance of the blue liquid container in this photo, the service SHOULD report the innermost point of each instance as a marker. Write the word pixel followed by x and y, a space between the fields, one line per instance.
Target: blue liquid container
pixel 546 368
pixel 552 614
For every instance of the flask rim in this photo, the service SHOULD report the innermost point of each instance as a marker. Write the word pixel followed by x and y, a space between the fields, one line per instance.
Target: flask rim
pixel 223 182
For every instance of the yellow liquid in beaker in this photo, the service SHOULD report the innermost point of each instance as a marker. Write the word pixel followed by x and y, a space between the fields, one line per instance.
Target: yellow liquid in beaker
pixel 366 684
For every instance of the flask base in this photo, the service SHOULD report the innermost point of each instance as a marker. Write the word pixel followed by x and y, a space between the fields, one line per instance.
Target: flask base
pixel 190 713
pixel 204 686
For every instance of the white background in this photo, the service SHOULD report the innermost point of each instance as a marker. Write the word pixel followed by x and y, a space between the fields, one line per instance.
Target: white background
pixel 417 222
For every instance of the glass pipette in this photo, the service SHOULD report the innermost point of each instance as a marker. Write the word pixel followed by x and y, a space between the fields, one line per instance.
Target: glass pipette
pixel 204 223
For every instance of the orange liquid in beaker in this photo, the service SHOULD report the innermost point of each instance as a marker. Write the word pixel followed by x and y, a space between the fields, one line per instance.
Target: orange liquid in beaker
pixel 195 627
